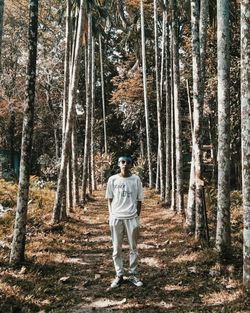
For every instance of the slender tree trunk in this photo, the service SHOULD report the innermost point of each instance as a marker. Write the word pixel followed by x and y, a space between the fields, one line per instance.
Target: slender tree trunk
pixel 57 146
pixel 203 41
pixel 11 130
pixel 213 149
pixel 66 96
pixel 168 114
pixel 245 138
pixel 197 120
pixel 72 174
pixel 158 105
pixel 177 111
pixel 157 179
pixel 142 154
pixel 103 98
pixel 89 177
pixel 1 30
pixel 173 171
pixel 69 185
pixel 19 235
pixel 163 49
pixel 93 177
pixel 223 231
pixel 145 96
pixel 70 117
pixel 75 166
pixel 190 211
pixel 88 108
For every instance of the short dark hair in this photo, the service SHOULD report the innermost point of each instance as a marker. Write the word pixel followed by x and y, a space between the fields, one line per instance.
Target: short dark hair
pixel 125 157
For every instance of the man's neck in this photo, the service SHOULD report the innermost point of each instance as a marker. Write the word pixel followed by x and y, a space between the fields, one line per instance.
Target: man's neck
pixel 125 173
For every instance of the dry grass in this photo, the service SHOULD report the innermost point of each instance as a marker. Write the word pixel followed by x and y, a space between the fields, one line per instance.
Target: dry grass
pixel 69 268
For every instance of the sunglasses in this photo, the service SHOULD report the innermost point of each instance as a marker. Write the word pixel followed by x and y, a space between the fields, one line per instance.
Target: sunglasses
pixel 124 161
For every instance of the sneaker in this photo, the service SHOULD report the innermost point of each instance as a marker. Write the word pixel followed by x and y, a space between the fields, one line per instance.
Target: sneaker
pixel 135 281
pixel 117 282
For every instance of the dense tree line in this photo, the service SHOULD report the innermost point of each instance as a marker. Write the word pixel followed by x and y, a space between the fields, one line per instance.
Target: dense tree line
pixel 158 79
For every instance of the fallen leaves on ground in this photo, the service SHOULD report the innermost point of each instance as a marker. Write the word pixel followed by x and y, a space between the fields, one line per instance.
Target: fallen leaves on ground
pixel 69 266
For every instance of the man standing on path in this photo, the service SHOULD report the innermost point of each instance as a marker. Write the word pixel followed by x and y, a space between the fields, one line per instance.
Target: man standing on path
pixel 125 194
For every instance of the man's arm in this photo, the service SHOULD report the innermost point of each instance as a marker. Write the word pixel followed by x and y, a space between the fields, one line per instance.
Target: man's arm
pixel 109 204
pixel 138 208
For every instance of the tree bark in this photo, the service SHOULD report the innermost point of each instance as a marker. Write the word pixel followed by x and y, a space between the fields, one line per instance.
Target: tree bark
pixel 19 235
pixel 68 43
pixel 173 169
pixel 245 138
pixel 75 165
pixel 86 155
pixel 223 230
pixel 1 30
pixel 158 107
pixel 177 110
pixel 168 112
pixel 68 130
pixel 103 98
pixel 190 210
pixel 11 130
pixel 197 120
pixel 92 146
pixel 145 96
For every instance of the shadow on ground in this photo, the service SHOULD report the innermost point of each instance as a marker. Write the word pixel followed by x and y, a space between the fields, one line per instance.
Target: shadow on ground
pixel 70 269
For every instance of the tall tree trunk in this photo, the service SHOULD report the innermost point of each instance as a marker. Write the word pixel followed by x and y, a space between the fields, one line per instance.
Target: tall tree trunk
pixel 1 30
pixel 173 164
pixel 57 145
pixel 245 138
pixel 88 108
pixel 163 48
pixel 11 130
pixel 19 235
pixel 168 112
pixel 173 170
pixel 70 117
pixel 177 110
pixel 197 120
pixel 103 98
pixel 158 105
pixel 69 184
pixel 75 165
pixel 142 154
pixel 223 231
pixel 92 161
pixel 203 41
pixel 145 96
pixel 190 210
pixel 68 43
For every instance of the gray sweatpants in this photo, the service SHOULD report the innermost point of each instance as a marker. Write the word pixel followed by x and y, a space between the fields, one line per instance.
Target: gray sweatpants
pixel 118 227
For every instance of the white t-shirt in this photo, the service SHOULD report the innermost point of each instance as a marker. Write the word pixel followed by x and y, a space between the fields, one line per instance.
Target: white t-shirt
pixel 125 192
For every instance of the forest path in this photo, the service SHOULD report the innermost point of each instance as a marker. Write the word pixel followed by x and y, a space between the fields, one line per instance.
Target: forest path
pixel 70 267
pixel 178 276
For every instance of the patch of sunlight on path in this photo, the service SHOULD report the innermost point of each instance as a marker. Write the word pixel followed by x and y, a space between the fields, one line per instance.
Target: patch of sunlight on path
pixel 101 306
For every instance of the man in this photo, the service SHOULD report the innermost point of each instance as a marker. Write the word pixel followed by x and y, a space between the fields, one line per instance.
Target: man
pixel 125 194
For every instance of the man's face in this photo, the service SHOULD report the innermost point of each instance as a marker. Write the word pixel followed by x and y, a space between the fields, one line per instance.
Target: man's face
pixel 125 163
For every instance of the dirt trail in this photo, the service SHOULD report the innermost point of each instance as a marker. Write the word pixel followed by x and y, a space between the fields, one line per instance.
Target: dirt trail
pixel 177 275
pixel 71 268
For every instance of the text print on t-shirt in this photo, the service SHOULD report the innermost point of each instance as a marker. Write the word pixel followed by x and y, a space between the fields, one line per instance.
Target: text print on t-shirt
pixel 121 189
